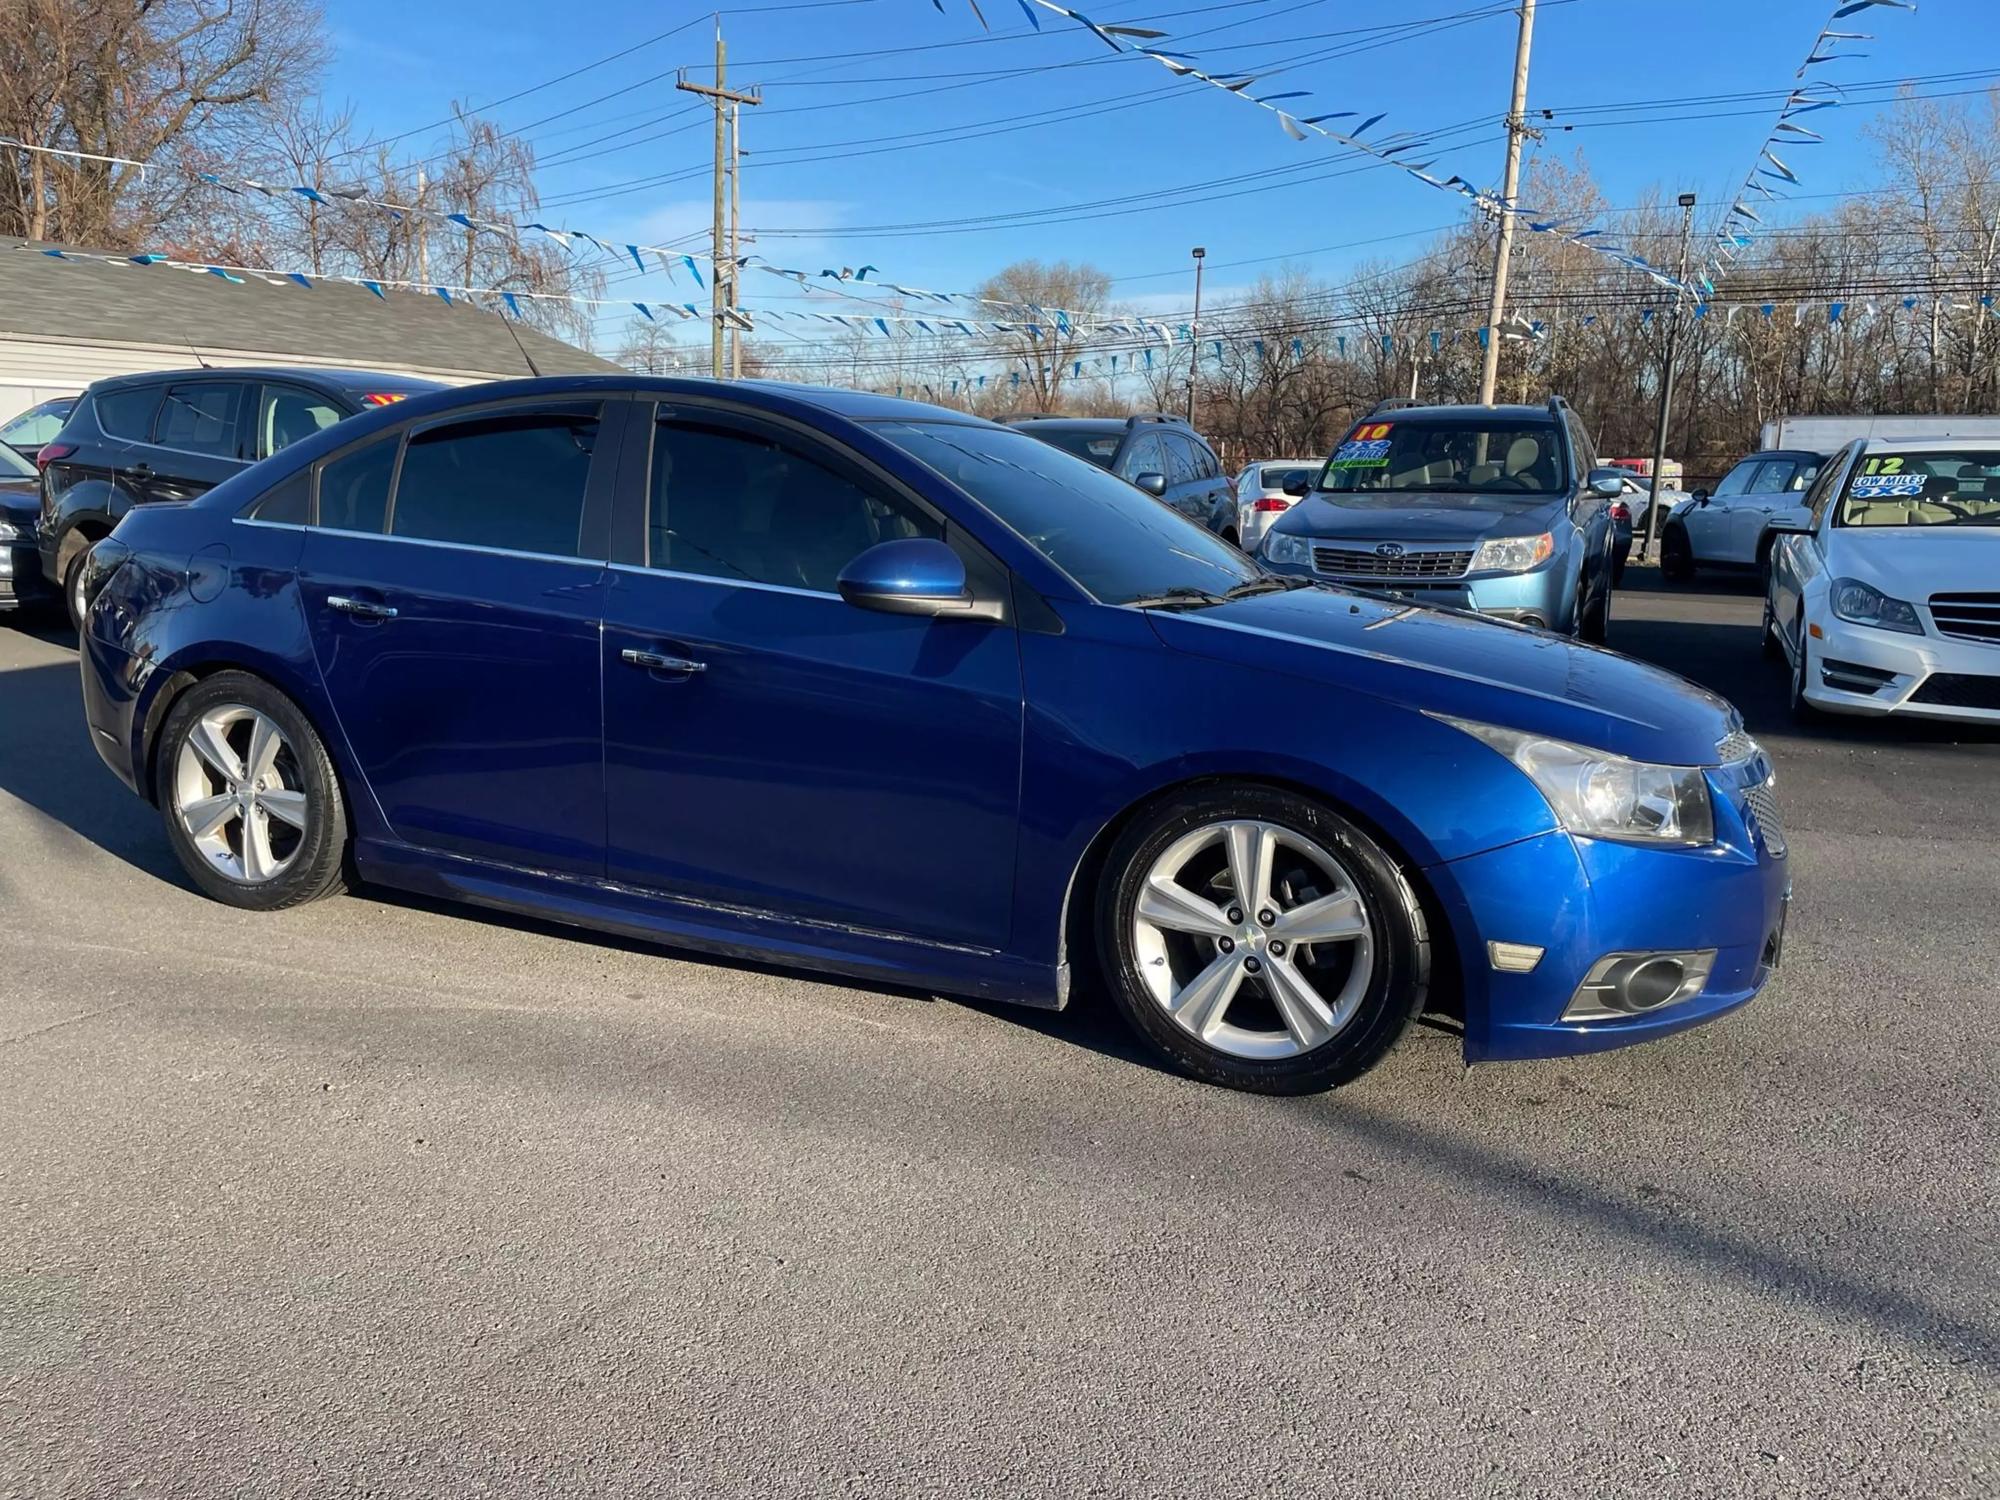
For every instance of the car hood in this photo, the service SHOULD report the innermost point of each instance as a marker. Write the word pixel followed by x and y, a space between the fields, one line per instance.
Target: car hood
pixel 1418 517
pixel 1453 662
pixel 1914 562
pixel 20 497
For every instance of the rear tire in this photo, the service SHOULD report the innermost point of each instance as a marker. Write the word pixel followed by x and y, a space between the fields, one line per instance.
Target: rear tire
pixel 1231 991
pixel 251 801
pixel 1676 556
pixel 1595 625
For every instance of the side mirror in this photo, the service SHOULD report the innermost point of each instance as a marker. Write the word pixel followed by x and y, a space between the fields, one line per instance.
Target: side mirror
pixel 1797 523
pixel 1153 484
pixel 1701 497
pixel 1300 487
pixel 915 576
pixel 1607 484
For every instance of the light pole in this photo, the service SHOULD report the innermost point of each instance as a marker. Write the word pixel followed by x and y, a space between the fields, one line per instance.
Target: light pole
pixel 1686 202
pixel 1194 330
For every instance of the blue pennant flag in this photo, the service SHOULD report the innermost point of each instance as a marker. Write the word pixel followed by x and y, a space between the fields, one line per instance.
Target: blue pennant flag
pixel 1298 347
pixel 1834 310
pixel 513 304
pixel 1767 309
pixel 694 271
pixel 376 288
pixel 636 260
pixel 1388 343
pixel 150 258
pixel 308 194
pixel 1437 339
pixel 1485 336
pixel 444 294
pixel 882 324
pixel 299 280
pixel 226 276
pixel 645 312
pixel 1341 340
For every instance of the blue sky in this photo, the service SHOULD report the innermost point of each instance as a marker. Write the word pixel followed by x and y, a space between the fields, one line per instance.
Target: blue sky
pixel 1069 123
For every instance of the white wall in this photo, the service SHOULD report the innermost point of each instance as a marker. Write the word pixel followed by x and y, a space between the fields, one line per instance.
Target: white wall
pixel 32 370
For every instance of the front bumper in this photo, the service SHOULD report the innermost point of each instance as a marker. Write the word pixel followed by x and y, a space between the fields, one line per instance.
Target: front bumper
pixel 1533 598
pixel 1924 676
pixel 1582 899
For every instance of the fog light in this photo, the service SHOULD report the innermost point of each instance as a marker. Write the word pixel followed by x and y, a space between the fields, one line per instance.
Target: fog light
pixel 1513 958
pixel 1632 984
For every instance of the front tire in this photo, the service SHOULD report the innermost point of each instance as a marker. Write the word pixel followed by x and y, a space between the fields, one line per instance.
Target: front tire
pixel 1774 649
pixel 251 802
pixel 1676 556
pixel 1803 712
pixel 1258 940
pixel 73 584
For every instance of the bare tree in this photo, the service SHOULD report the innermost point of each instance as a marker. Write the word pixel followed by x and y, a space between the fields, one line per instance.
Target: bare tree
pixel 1049 311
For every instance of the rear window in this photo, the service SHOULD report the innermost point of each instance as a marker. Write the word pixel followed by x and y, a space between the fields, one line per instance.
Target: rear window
pixel 1277 479
pixel 128 411
pixel 1099 447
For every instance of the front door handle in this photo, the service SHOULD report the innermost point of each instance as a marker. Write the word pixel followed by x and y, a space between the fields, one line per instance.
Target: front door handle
pixel 654 661
pixel 361 609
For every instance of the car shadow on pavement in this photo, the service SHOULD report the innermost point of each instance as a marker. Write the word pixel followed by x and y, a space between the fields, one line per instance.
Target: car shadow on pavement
pixel 46 761
pixel 1488 1171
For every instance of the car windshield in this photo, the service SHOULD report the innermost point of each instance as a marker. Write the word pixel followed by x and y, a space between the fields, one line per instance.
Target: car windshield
pixel 1117 542
pixel 13 466
pixel 1475 457
pixel 1099 447
pixel 1278 479
pixel 1960 488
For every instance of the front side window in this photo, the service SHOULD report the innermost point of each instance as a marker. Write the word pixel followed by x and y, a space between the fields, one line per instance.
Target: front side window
pixel 128 411
pixel 200 419
pixel 1145 456
pixel 1469 457
pixel 1776 476
pixel 1183 467
pixel 728 503
pixel 1737 480
pixel 285 414
pixel 512 480
pixel 1959 488
pixel 1117 542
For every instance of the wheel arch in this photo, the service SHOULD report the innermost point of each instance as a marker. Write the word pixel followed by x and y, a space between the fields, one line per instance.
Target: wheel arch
pixel 1076 951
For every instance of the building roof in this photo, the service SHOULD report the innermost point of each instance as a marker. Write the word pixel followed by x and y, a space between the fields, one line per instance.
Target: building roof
pixel 332 323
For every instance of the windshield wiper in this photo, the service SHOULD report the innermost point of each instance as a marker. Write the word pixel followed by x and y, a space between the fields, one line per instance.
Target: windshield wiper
pixel 1271 583
pixel 1180 596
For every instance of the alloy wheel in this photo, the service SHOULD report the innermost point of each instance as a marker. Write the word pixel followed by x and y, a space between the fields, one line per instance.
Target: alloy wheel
pixel 239 793
pixel 1253 939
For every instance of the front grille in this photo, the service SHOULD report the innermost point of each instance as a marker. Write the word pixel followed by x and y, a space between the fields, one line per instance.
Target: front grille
pixel 1763 805
pixel 1366 562
pixel 1734 746
pixel 1968 617
pixel 1959 690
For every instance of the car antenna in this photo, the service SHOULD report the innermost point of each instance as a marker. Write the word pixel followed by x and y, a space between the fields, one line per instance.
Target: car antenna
pixel 195 352
pixel 508 324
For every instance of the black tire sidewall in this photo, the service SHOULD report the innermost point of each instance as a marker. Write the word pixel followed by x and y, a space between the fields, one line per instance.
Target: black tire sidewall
pixel 316 868
pixel 1399 936
pixel 1676 556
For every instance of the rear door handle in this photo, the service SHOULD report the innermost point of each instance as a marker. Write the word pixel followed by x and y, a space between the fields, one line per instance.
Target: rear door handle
pixel 361 609
pixel 654 661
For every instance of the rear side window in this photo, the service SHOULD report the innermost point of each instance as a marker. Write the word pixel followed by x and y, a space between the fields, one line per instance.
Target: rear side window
pixel 128 411
pixel 285 414
pixel 287 504
pixel 354 489
pixel 512 480
pixel 200 419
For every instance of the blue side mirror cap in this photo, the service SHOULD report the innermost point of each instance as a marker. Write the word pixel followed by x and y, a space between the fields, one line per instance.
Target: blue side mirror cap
pixel 914 576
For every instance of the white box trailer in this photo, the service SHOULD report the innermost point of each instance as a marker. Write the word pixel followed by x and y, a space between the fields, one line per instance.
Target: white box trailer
pixel 1825 434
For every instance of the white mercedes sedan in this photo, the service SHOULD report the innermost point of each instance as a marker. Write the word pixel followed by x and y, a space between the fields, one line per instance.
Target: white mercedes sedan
pixel 1884 591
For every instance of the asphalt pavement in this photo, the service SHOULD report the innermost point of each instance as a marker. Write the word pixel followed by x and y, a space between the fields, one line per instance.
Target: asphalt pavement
pixel 381 1198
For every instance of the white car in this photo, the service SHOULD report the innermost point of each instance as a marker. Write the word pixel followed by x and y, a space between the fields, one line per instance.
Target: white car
pixel 1262 495
pixel 1884 594
pixel 1734 527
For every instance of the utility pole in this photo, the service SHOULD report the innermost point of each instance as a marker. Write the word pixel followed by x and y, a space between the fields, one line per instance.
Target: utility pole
pixel 735 260
pixel 1194 332
pixel 422 216
pixel 1510 183
pixel 1667 381
pixel 722 263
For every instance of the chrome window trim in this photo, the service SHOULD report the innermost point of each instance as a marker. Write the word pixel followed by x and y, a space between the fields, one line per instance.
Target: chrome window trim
pixel 271 525
pixel 424 541
pixel 646 571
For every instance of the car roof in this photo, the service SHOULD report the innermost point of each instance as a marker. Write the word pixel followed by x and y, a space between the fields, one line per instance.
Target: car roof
pixel 338 377
pixel 1077 424
pixel 1927 445
pixel 1466 413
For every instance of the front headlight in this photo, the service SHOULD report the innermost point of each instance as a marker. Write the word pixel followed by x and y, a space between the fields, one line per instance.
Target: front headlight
pixel 1288 547
pixel 1513 554
pixel 1861 603
pixel 1605 796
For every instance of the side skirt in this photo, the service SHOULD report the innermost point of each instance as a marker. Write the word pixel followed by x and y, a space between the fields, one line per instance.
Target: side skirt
pixel 729 931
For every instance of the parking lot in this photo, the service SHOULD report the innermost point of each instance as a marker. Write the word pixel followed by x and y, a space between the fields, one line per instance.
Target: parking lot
pixel 380 1198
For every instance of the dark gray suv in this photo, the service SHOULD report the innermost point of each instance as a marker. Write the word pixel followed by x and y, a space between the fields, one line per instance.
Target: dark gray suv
pixel 1161 454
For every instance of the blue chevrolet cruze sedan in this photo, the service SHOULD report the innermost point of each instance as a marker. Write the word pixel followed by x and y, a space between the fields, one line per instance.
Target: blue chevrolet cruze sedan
pixel 862 685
